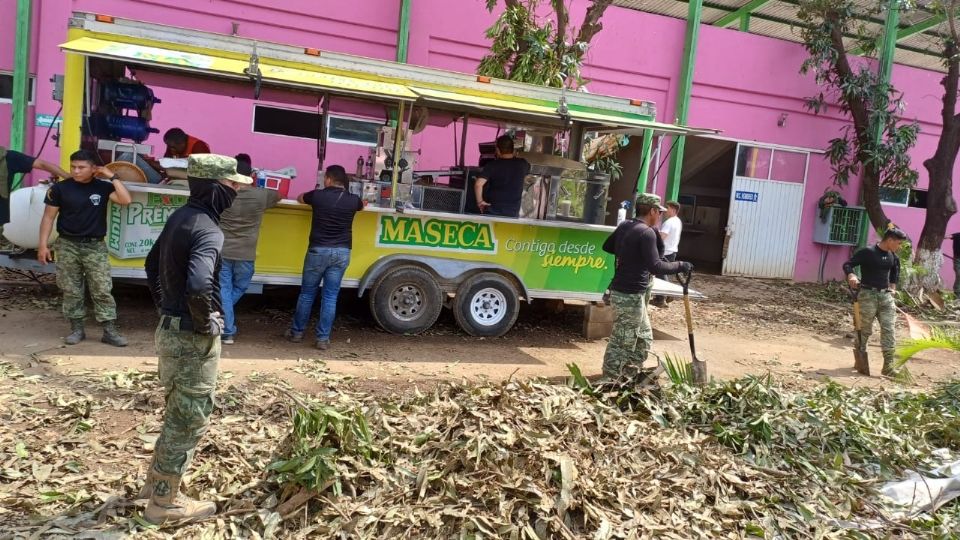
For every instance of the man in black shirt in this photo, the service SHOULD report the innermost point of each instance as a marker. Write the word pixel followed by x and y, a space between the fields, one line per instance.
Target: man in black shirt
pixel 634 244
pixel 327 258
pixel 183 268
pixel 13 163
pixel 880 269
pixel 82 262
pixel 503 178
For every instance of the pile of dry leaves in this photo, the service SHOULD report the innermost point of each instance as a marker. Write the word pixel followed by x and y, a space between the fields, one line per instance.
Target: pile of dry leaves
pixel 513 460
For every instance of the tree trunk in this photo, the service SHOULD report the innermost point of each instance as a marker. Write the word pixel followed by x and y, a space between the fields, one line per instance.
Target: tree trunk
pixel 940 203
pixel 871 199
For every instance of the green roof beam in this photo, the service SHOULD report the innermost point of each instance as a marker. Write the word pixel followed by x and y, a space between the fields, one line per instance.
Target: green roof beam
pixel 922 26
pixel 744 10
pixel 904 33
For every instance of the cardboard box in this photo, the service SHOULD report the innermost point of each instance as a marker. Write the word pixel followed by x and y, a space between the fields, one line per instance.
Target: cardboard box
pixel 132 229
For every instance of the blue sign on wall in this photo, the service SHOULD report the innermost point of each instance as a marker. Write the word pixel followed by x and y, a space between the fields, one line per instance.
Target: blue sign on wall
pixel 747 196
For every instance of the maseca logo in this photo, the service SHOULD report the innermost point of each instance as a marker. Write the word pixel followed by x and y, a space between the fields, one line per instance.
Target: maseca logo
pixel 460 236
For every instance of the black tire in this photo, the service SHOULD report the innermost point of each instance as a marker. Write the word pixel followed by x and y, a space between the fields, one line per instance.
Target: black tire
pixel 406 300
pixel 486 305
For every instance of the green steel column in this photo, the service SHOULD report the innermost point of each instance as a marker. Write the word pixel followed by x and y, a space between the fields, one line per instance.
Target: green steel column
pixel 21 77
pixel 887 50
pixel 683 97
pixel 745 22
pixel 403 32
pixel 21 83
pixel 646 151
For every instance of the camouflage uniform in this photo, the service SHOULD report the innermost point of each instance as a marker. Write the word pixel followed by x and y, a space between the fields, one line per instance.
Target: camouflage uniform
pixel 183 268
pixel 188 373
pixel 82 265
pixel 879 305
pixel 632 334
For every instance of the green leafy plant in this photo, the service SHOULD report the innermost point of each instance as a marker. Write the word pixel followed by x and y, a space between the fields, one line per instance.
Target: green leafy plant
pixel 938 339
pixel 679 371
pixel 545 51
pixel 321 436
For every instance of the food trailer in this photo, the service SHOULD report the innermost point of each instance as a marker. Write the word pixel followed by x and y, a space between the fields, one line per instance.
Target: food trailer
pixel 420 245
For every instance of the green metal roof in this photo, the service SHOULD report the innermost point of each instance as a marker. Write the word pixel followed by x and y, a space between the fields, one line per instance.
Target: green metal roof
pixel 918 36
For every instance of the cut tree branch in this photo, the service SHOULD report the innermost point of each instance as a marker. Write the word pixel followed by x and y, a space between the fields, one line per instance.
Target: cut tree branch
pixel 591 23
pixel 563 20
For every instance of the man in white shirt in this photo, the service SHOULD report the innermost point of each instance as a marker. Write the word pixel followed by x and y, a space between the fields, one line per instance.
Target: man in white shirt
pixel 670 231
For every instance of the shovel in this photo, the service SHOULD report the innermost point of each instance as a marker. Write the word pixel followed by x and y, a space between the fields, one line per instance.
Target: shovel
pixel 860 361
pixel 699 366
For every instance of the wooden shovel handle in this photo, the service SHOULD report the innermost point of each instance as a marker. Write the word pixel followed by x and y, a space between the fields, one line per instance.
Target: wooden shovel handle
pixel 687 313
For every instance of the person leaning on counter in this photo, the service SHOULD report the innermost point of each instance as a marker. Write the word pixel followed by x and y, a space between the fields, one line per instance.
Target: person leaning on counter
pixel 180 145
pixel 504 177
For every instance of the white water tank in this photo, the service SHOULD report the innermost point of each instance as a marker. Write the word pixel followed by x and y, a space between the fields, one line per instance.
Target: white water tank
pixel 26 212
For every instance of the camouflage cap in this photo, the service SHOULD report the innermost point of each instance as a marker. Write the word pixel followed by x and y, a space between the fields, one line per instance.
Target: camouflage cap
pixel 651 200
pixel 215 167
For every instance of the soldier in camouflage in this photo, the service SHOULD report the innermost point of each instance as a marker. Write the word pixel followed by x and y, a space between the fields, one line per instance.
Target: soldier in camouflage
pixel 880 270
pixel 183 269
pixel 80 202
pixel 634 244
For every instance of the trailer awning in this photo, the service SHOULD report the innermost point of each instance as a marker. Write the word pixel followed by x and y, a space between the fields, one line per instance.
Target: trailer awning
pixel 604 121
pixel 231 67
pixel 341 82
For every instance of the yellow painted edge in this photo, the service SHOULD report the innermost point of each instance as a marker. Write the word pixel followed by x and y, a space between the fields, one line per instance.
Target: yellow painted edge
pixel 73 91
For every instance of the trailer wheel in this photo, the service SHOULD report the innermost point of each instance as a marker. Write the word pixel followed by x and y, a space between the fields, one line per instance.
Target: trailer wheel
pixel 406 300
pixel 486 305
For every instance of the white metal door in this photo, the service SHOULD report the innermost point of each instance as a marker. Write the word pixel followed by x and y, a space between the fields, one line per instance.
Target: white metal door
pixel 766 202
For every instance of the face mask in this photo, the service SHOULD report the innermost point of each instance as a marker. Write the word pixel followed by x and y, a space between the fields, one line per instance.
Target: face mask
pixel 211 195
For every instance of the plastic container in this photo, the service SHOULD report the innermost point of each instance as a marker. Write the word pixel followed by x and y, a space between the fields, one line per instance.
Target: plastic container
pixel 26 212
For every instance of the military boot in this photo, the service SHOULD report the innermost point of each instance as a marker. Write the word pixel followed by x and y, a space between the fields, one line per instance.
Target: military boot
pixel 146 492
pixel 167 506
pixel 111 336
pixel 889 365
pixel 76 332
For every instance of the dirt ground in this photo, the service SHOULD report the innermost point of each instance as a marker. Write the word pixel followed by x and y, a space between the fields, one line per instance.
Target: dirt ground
pixel 79 422
pixel 800 333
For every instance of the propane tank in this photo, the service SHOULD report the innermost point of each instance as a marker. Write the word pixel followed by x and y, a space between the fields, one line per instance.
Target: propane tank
pixel 622 212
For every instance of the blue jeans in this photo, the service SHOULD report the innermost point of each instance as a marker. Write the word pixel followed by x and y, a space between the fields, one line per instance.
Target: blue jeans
pixel 235 277
pixel 327 265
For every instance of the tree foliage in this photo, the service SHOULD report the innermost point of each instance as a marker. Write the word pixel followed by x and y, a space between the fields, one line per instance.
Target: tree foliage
pixel 876 146
pixel 539 50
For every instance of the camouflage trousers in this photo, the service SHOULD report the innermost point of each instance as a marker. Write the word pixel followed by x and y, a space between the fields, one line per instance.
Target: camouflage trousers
pixel 188 372
pixel 632 334
pixel 83 266
pixel 881 306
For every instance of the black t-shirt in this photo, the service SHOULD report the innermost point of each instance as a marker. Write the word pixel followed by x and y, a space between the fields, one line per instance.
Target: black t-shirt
pixel 635 246
pixel 16 162
pixel 504 188
pixel 83 207
pixel 956 245
pixel 333 211
pixel 878 268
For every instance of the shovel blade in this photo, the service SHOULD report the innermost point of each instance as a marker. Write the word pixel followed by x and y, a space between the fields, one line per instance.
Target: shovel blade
pixel 861 362
pixel 699 371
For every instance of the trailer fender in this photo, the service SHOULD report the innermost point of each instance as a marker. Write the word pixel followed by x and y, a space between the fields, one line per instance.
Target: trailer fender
pixel 449 272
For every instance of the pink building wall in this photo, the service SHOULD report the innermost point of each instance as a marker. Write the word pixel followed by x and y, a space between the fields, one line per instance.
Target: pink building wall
pixel 742 84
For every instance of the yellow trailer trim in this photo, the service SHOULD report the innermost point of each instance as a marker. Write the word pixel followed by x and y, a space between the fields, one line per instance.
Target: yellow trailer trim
pixel 209 63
